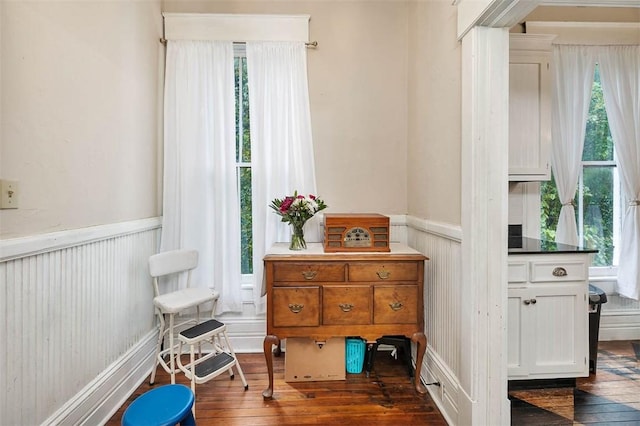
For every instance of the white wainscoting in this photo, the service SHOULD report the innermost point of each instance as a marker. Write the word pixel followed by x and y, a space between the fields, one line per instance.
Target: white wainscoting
pixel 620 318
pixel 80 330
pixel 78 327
pixel 441 243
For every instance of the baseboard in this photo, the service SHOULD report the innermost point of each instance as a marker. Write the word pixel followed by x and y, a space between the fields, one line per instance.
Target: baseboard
pixel 247 344
pixel 446 393
pixel 100 399
pixel 623 325
pixel 245 333
pixel 541 384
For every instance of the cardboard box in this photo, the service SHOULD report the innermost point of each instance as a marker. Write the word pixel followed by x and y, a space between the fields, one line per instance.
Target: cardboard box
pixel 304 361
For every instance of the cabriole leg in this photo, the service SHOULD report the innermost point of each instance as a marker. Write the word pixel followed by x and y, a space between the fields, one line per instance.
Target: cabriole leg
pixel 421 346
pixel 269 342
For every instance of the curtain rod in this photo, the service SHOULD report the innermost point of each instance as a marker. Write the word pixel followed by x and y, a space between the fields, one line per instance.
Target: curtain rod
pixel 310 44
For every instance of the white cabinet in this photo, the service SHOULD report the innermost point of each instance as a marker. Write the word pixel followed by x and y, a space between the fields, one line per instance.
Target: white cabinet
pixel 529 107
pixel 548 319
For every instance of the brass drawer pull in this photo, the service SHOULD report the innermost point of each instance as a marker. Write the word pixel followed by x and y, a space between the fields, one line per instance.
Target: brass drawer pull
pixel 309 275
pixel 559 272
pixel 346 307
pixel 396 306
pixel 295 307
pixel 383 275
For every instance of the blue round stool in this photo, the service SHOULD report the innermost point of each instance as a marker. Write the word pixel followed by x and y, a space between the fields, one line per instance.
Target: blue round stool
pixel 166 405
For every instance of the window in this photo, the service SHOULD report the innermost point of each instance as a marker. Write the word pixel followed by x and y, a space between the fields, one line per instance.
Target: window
pixel 243 158
pixel 598 196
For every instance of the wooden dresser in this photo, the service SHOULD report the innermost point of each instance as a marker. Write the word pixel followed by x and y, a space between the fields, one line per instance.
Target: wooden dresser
pixel 321 295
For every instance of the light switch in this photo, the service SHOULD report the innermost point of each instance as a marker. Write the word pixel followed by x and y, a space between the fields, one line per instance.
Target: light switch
pixel 9 194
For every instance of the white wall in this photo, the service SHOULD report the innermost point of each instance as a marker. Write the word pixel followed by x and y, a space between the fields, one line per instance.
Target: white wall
pixel 79 98
pixel 79 92
pixel 433 159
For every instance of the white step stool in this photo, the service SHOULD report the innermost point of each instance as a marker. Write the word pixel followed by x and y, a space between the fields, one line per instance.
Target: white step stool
pixel 220 359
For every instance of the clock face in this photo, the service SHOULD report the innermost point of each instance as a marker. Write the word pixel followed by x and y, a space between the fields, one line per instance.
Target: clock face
pixel 357 237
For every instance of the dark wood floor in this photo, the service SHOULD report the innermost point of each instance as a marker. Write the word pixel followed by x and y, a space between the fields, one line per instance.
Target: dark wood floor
pixel 609 397
pixel 386 397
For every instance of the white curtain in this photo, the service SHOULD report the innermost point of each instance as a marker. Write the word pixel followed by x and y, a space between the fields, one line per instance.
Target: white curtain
pixel 281 143
pixel 200 205
pixel 620 77
pixel 574 67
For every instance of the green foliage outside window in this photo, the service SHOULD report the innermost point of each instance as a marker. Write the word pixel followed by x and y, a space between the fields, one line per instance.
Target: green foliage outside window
pixel 243 163
pixel 550 206
pixel 595 196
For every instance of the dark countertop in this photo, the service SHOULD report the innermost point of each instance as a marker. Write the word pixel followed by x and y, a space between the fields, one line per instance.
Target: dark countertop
pixel 533 246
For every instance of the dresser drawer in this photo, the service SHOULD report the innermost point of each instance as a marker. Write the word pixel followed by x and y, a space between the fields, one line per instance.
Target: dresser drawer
pixel 308 272
pixel 396 304
pixel 346 305
pixel 296 306
pixel 383 271
pixel 558 271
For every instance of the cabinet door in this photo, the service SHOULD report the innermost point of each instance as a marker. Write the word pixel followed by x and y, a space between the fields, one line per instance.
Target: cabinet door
pixel 558 322
pixel 529 117
pixel 547 331
pixel 517 340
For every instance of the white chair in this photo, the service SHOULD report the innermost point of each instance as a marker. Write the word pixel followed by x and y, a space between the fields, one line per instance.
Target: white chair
pixel 181 263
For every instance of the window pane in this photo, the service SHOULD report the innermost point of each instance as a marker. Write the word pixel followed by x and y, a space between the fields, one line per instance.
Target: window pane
pixel 598 214
pixel 246 140
pixel 237 66
pixel 246 243
pixel 243 141
pixel 243 161
pixel 550 206
pixel 598 144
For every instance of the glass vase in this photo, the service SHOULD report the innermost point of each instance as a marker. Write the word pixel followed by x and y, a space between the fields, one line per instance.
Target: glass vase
pixel 297 237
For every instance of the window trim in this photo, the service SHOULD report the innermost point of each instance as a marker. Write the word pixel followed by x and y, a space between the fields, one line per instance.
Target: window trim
pixel 618 202
pixel 236 27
